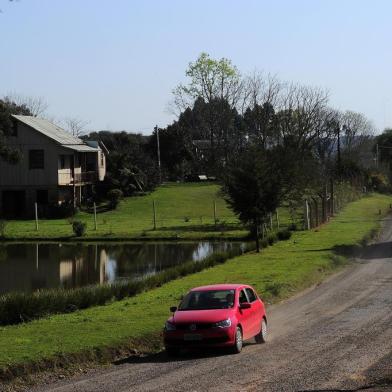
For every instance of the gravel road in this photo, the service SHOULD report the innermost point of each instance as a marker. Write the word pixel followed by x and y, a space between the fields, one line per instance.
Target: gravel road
pixel 337 336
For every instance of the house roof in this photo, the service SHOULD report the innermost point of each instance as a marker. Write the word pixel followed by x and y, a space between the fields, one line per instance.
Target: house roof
pixel 56 133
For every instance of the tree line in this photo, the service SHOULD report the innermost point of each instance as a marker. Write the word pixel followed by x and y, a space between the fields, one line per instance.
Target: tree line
pixel 264 139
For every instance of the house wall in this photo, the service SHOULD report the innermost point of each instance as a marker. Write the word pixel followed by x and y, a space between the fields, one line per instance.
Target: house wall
pixel 19 174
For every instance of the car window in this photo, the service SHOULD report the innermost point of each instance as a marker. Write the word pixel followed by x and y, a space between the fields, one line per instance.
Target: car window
pixel 251 295
pixel 243 297
pixel 208 299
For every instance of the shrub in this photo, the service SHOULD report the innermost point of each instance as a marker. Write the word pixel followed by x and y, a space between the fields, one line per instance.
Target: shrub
pixel 292 227
pixel 272 238
pixel 114 196
pixel 284 235
pixel 79 228
pixel 264 243
pixel 3 226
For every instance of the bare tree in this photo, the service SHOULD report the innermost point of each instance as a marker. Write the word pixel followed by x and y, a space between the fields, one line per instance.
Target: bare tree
pixel 300 111
pixel 258 89
pixel 36 105
pixel 357 130
pixel 75 126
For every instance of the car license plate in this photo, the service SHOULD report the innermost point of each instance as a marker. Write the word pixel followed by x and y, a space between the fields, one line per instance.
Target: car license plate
pixel 192 336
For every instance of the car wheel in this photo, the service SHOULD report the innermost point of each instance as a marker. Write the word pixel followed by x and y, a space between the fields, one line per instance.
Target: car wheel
pixel 172 351
pixel 261 337
pixel 238 341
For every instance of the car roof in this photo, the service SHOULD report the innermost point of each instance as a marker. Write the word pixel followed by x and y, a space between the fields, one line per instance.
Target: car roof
pixel 225 286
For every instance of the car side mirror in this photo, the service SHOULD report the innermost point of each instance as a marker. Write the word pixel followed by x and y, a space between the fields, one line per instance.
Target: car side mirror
pixel 173 308
pixel 245 305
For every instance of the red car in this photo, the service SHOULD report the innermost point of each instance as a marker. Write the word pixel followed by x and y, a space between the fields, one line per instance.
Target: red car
pixel 222 315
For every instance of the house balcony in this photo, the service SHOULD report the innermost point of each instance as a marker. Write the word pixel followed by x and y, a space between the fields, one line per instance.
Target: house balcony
pixel 81 178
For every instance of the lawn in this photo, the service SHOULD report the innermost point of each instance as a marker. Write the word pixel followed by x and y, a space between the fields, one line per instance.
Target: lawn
pixel 277 272
pixel 183 211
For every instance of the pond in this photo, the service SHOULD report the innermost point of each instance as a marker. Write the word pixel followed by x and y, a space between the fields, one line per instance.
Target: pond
pixel 32 266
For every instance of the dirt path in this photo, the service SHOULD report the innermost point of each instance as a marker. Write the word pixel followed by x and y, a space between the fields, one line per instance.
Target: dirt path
pixel 337 336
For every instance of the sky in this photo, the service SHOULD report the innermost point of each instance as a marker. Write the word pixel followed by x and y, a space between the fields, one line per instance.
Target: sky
pixel 114 63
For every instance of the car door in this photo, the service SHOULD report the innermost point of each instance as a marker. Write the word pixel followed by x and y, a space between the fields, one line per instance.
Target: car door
pixel 244 315
pixel 256 311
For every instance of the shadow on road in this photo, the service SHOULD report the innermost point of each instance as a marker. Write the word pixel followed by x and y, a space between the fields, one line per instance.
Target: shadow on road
pixel 188 355
pixel 382 250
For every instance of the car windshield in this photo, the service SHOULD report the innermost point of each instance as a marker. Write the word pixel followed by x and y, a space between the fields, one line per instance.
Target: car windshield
pixel 208 299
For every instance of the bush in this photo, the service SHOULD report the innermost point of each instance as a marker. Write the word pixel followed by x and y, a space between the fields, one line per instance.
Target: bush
pixel 284 235
pixel 264 243
pixel 114 196
pixel 79 228
pixel 292 227
pixel 272 238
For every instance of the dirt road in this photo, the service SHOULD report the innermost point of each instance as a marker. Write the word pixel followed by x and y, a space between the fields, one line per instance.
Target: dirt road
pixel 337 336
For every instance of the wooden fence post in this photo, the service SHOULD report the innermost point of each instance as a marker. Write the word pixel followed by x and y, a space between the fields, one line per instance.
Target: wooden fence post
pixel 307 222
pixel 154 215
pixel 95 216
pixel 36 216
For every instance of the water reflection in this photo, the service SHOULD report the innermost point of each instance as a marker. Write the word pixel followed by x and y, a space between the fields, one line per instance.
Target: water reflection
pixel 29 267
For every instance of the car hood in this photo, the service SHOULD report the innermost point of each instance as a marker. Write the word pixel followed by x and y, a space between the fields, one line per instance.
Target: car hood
pixel 201 316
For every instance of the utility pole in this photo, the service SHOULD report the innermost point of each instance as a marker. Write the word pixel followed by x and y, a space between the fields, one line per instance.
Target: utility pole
pixel 339 159
pixel 159 154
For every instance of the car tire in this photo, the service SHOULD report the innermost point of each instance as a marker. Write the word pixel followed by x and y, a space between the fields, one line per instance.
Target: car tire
pixel 261 337
pixel 238 341
pixel 172 351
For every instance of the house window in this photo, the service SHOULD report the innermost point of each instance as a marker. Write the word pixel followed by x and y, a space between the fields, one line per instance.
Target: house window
pixel 36 159
pixel 102 158
pixel 62 161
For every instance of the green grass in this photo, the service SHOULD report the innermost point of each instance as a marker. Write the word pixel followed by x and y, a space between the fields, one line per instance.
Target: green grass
pixel 277 272
pixel 184 211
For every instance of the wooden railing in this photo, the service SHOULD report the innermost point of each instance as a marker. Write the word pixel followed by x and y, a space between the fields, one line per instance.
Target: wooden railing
pixel 78 178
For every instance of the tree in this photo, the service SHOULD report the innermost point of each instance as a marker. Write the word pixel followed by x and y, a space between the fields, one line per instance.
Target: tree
pixel 130 167
pixel 384 145
pixel 209 79
pixel 258 182
pixel 261 123
pixel 356 133
pixel 75 126
pixel 36 106
pixel 7 108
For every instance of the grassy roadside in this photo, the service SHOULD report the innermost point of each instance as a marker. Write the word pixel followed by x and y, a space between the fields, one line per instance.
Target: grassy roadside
pixel 183 211
pixel 276 273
